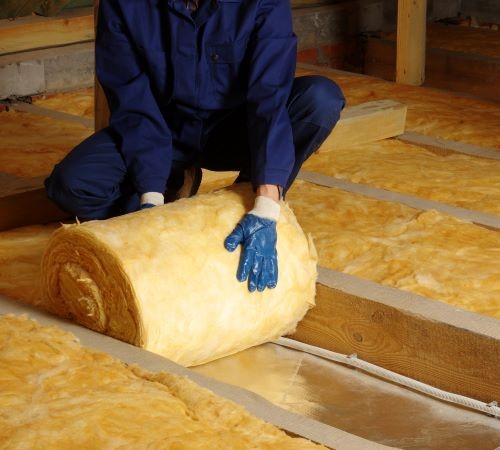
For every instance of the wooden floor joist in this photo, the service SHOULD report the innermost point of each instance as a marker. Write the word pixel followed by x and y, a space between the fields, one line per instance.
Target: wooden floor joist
pixel 367 122
pixel 29 208
pixel 453 350
pixel 475 74
pixel 32 32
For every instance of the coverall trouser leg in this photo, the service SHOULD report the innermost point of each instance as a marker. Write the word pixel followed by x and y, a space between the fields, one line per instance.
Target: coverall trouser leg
pixel 92 182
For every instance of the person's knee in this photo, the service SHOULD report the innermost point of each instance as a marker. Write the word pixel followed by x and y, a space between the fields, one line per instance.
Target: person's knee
pixel 323 99
pixel 62 188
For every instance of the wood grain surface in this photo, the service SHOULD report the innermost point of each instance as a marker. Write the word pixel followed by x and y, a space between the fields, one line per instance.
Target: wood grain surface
pixel 419 346
pixel 32 32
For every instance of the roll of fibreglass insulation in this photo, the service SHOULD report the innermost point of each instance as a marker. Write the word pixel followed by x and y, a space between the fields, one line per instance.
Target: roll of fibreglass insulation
pixel 161 278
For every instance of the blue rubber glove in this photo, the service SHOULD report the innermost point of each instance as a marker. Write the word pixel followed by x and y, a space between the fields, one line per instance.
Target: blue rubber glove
pixel 258 262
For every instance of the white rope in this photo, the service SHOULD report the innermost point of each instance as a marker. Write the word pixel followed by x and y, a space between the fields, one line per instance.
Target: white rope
pixel 491 409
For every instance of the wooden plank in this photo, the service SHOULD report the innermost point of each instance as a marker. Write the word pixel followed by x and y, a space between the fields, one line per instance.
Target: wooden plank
pixel 410 64
pixel 28 208
pixel 101 104
pixel 468 73
pixel 29 33
pixel 101 108
pixel 432 342
pixel 367 122
pixel 478 75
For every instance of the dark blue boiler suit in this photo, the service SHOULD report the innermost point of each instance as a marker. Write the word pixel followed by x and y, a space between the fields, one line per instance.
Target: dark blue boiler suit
pixel 214 89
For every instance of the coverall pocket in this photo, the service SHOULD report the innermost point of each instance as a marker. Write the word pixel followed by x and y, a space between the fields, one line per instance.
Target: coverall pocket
pixel 226 61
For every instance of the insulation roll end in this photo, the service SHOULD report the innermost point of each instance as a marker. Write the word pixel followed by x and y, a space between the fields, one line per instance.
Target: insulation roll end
pixel 162 279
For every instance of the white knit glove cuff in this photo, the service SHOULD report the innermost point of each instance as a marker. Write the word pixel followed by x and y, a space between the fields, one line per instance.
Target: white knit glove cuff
pixel 266 208
pixel 153 198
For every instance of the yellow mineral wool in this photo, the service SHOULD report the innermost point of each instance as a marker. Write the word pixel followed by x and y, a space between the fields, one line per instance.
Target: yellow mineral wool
pixel 21 253
pixel 79 102
pixel 32 144
pixel 424 252
pixel 454 179
pixel 430 112
pixel 162 279
pixel 58 394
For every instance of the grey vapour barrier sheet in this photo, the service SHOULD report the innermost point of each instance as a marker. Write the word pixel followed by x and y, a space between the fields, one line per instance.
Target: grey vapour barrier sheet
pixel 460 147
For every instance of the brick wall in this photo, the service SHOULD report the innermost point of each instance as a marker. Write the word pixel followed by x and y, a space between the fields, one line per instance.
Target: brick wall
pixel 330 35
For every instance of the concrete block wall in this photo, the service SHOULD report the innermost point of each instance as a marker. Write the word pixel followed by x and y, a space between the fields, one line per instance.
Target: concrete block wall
pixel 48 70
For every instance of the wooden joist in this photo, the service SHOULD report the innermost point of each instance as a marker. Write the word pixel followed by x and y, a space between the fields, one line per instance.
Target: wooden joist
pixel 469 73
pixel 33 32
pixel 423 339
pixel 101 109
pixel 360 124
pixel 410 65
pixel 30 207
pixel 367 122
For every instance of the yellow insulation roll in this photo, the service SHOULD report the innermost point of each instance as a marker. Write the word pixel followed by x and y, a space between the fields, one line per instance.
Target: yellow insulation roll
pixel 161 278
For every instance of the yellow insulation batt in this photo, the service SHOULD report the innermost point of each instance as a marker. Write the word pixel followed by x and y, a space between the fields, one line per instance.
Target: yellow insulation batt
pixel 21 253
pixel 161 279
pixel 454 179
pixel 58 394
pixel 79 102
pixel 430 111
pixel 31 144
pixel 424 252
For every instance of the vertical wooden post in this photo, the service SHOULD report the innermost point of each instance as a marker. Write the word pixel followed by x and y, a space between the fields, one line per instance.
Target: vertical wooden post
pixel 100 103
pixel 410 59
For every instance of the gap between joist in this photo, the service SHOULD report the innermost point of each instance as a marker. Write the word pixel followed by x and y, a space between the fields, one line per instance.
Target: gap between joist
pixel 477 217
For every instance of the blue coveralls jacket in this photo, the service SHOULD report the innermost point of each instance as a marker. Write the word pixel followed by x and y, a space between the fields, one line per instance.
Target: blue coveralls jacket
pixel 157 62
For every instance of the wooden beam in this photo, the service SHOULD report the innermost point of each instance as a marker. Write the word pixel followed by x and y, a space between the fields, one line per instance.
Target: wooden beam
pixel 410 65
pixel 454 350
pixel 367 122
pixel 29 208
pixel 100 102
pixel 469 73
pixel 29 33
